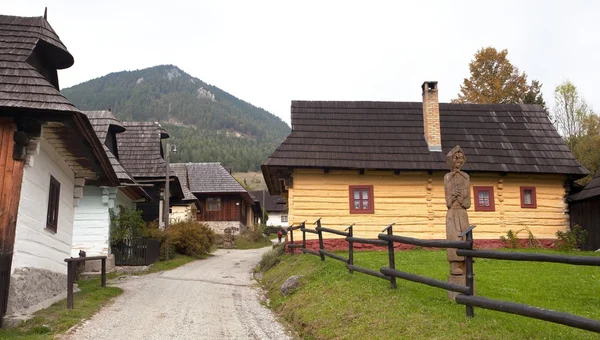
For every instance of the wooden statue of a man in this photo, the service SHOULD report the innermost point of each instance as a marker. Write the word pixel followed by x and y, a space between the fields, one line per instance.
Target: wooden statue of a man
pixel 458 200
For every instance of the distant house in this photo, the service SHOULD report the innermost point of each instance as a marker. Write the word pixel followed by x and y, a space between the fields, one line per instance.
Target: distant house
pixel 186 208
pixel 141 153
pixel 376 163
pixel 91 230
pixel 223 202
pixel 275 206
pixel 584 209
pixel 49 151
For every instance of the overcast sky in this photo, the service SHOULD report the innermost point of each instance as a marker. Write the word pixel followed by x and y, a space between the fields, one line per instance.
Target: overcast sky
pixel 269 53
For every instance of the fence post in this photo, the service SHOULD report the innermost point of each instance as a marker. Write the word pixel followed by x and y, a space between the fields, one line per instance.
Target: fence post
pixel 292 241
pixel 350 247
pixel 103 282
pixel 391 256
pixel 470 274
pixel 320 233
pixel 70 279
pixel 303 228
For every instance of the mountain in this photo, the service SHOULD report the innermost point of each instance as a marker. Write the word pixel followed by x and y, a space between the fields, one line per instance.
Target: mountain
pixel 205 122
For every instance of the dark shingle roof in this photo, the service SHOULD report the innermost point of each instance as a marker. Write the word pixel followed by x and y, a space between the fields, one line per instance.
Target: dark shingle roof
pixel 21 85
pixel 271 202
pixel 212 177
pixel 140 149
pixel 123 175
pixel 592 189
pixel 180 170
pixel 389 135
pixel 102 121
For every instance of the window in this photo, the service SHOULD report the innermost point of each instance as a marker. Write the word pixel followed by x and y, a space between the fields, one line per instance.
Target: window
pixel 53 201
pixel 361 199
pixel 484 198
pixel 528 197
pixel 213 204
pixel 284 218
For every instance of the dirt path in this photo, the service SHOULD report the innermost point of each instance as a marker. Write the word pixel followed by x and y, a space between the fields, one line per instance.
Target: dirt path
pixel 208 299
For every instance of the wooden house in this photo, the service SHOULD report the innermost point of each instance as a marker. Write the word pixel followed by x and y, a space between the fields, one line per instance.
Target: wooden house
pixel 223 202
pixel 91 227
pixel 48 152
pixel 376 163
pixel 186 208
pixel 275 206
pixel 584 209
pixel 141 153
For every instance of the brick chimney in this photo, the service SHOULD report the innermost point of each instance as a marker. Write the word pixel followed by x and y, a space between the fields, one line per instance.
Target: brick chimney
pixel 431 116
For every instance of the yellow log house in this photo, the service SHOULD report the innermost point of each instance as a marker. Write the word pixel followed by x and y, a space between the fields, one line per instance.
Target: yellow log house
pixel 375 163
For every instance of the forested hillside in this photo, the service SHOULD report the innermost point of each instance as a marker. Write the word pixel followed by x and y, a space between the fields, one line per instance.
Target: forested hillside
pixel 205 122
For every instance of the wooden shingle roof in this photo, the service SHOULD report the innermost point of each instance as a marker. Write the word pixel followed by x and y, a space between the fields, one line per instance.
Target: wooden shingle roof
pixel 21 85
pixel 102 122
pixel 180 170
pixel 592 189
pixel 390 136
pixel 271 202
pixel 212 177
pixel 140 149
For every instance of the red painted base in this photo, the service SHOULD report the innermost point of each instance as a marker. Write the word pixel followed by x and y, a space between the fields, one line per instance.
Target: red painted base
pixel 341 244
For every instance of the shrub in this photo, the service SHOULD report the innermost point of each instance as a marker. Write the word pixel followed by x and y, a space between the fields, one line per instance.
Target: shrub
pixel 190 238
pixel 127 224
pixel 271 258
pixel 511 240
pixel 572 239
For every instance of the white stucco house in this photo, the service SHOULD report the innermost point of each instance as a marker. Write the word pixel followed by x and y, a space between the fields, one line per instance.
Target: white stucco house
pixel 49 152
pixel 91 226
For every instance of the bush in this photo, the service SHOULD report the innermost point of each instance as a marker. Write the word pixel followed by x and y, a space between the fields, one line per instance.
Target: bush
pixel 271 258
pixel 190 238
pixel 511 240
pixel 127 224
pixel 571 239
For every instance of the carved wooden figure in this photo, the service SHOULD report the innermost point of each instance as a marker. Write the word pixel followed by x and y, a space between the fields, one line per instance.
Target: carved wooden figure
pixel 458 200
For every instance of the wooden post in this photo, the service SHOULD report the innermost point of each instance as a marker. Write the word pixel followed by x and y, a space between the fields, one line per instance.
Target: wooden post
pixel 320 233
pixel 391 256
pixel 470 274
pixel 103 272
pixel 70 280
pixel 350 247
pixel 303 226
pixel 291 241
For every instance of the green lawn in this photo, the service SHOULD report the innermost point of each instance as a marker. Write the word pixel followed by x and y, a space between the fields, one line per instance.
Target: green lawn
pixel 333 304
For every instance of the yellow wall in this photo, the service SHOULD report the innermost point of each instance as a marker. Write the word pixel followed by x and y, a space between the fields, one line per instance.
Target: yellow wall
pixel 415 202
pixel 181 213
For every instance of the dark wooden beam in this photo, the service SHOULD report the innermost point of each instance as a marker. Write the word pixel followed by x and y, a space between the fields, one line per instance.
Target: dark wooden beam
pixel 396 172
pixel 361 171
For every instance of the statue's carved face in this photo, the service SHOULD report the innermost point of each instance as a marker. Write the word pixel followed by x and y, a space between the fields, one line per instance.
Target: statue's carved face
pixel 458 159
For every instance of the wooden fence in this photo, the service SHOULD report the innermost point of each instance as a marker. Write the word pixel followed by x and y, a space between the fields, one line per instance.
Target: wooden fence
pixel 5 263
pixel 463 248
pixel 136 252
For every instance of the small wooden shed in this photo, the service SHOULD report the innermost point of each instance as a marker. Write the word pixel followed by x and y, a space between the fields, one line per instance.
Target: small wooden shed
pixel 584 208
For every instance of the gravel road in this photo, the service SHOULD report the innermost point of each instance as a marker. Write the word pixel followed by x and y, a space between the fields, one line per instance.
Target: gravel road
pixel 215 298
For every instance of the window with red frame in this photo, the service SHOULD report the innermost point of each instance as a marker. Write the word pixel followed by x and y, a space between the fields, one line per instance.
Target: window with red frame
pixel 361 199
pixel 528 197
pixel 484 198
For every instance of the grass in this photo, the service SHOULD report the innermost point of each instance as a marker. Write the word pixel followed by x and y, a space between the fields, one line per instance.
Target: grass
pixel 333 304
pixel 57 319
pixel 175 261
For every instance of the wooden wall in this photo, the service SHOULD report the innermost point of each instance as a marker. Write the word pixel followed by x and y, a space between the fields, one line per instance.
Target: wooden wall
pixel 415 202
pixel 11 177
pixel 586 214
pixel 229 210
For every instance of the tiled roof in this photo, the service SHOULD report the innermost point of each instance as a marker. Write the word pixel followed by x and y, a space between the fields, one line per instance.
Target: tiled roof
pixel 271 202
pixel 140 149
pixel 389 135
pixel 102 121
pixel 180 170
pixel 21 85
pixel 212 177
pixel 592 189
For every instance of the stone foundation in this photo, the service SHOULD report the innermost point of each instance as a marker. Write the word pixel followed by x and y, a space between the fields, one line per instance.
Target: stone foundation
pixel 30 288
pixel 96 265
pixel 220 226
pixel 341 244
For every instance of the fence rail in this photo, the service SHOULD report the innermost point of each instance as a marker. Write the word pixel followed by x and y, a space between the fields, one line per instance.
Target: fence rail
pixel 463 248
